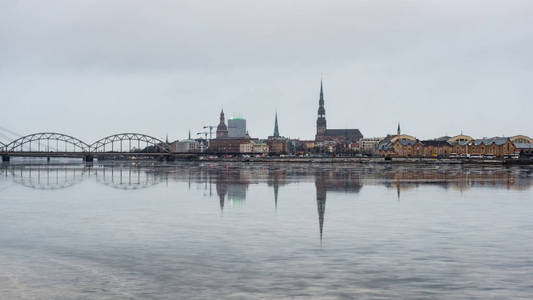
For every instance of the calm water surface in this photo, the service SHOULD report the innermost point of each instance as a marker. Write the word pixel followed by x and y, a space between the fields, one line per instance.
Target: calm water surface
pixel 236 231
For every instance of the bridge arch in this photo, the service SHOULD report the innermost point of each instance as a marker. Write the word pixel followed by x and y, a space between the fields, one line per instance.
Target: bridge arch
pixel 129 142
pixel 2 145
pixel 40 142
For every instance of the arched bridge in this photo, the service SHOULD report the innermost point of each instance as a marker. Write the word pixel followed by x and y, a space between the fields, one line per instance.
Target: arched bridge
pixel 130 142
pixel 53 144
pixel 40 142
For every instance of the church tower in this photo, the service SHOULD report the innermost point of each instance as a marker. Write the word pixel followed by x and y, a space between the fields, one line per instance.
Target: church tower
pixel 276 129
pixel 321 120
pixel 222 130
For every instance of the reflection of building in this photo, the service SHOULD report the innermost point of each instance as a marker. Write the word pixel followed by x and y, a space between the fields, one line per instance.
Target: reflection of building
pixel 343 136
pixel 231 186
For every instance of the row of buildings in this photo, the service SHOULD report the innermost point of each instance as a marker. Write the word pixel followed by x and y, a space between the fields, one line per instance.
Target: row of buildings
pixel 234 138
pixel 458 146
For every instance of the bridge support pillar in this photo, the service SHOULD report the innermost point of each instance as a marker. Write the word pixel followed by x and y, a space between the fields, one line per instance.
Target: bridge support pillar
pixel 88 158
pixel 48 159
pixel 5 158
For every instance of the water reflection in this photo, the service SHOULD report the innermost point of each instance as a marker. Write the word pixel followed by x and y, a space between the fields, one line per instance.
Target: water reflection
pixel 231 181
pixel 217 231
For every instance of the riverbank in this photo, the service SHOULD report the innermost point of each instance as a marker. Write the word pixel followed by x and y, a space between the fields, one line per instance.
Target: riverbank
pixel 376 160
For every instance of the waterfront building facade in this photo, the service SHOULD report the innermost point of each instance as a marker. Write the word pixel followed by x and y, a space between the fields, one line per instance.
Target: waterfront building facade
pixel 254 147
pixel 457 146
pixel 259 147
pixel 369 145
pixel 227 145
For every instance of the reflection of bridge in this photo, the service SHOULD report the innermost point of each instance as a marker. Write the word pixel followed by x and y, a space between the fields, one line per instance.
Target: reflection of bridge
pixel 52 144
pixel 126 178
pixel 61 177
pixel 47 178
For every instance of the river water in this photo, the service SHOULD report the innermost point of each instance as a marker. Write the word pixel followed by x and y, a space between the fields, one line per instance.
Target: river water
pixel 265 231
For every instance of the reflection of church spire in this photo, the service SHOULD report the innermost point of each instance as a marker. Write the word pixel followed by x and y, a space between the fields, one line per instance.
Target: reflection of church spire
pixel 398 191
pixel 320 203
pixel 276 190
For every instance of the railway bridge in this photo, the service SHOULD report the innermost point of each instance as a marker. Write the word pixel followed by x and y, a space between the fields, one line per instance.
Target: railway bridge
pixel 54 144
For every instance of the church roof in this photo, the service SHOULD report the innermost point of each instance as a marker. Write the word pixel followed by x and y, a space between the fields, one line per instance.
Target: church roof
pixel 348 133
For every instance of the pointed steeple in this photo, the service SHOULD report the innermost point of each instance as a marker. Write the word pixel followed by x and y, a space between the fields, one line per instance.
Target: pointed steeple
pixel 276 129
pixel 321 100
pixel 321 124
pixel 166 140
pixel 189 134
pixel 399 131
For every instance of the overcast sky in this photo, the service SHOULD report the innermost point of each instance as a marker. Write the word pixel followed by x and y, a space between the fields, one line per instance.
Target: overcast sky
pixel 95 68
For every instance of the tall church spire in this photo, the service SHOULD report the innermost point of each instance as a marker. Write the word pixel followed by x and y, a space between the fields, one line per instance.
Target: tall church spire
pixel 398 131
pixel 276 129
pixel 321 124
pixel 321 93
